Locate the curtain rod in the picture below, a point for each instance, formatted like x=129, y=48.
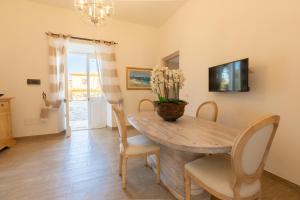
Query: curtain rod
x=81, y=38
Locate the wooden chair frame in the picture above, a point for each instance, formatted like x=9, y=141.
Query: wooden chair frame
x=236, y=156
x=145, y=100
x=215, y=107
x=122, y=130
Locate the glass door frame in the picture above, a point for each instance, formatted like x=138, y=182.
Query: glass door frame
x=88, y=58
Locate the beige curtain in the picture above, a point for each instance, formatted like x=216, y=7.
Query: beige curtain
x=57, y=63
x=108, y=74
x=57, y=50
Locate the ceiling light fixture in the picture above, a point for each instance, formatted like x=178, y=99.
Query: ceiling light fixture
x=98, y=11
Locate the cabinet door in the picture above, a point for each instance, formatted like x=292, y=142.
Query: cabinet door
x=4, y=107
x=5, y=128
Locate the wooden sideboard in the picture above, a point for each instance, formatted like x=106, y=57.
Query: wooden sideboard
x=6, y=139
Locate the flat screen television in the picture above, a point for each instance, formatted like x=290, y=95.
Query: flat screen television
x=229, y=77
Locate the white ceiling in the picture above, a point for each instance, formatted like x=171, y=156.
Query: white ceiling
x=147, y=12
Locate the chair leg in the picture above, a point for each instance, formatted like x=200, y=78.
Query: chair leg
x=146, y=161
x=157, y=167
x=259, y=198
x=124, y=171
x=187, y=185
x=120, y=164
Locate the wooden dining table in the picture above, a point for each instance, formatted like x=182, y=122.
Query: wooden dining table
x=182, y=141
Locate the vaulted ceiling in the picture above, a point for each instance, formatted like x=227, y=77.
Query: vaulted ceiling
x=147, y=12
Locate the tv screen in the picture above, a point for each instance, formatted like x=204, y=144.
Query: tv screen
x=229, y=77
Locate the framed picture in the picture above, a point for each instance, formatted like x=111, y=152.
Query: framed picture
x=138, y=78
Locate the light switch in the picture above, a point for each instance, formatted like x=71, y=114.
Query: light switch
x=33, y=82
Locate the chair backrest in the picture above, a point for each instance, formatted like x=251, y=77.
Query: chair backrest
x=121, y=123
x=208, y=110
x=250, y=151
x=146, y=105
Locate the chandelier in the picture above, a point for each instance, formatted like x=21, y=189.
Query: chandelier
x=97, y=11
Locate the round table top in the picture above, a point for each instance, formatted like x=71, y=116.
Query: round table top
x=186, y=134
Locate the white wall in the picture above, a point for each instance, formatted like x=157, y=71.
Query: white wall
x=213, y=32
x=23, y=54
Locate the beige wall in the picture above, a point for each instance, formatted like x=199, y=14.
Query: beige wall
x=213, y=32
x=23, y=54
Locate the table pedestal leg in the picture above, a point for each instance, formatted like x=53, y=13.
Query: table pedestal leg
x=172, y=167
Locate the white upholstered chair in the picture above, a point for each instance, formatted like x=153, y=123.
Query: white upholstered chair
x=237, y=177
x=136, y=146
x=146, y=105
x=208, y=110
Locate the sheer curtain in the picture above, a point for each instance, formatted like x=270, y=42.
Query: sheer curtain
x=108, y=74
x=57, y=63
x=57, y=50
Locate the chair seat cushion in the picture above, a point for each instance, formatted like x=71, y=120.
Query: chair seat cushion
x=140, y=145
x=215, y=172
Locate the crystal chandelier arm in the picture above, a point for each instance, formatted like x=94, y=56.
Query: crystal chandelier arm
x=96, y=10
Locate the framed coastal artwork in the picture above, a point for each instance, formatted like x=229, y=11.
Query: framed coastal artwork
x=138, y=78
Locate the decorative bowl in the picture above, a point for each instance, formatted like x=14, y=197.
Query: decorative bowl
x=170, y=111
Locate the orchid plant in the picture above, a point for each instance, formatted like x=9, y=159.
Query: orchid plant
x=166, y=83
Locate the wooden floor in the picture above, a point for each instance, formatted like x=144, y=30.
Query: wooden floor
x=84, y=167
